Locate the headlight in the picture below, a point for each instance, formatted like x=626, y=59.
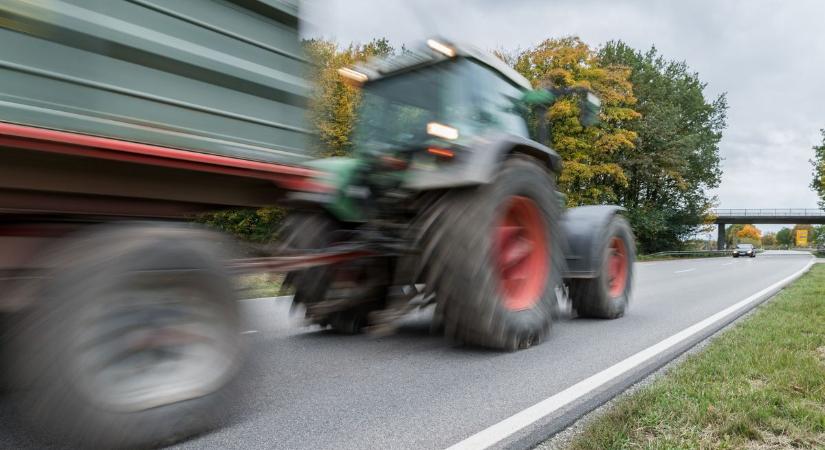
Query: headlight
x=442, y=131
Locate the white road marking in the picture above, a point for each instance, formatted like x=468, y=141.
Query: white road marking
x=517, y=422
x=686, y=270
x=277, y=299
x=249, y=332
x=727, y=264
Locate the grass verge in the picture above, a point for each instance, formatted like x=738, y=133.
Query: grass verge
x=261, y=285
x=760, y=385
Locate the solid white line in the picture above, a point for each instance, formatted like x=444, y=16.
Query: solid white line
x=249, y=332
x=686, y=270
x=517, y=422
x=280, y=298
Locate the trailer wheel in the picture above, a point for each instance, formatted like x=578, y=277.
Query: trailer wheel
x=133, y=339
x=497, y=260
x=606, y=296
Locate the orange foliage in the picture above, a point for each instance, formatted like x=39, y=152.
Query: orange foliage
x=749, y=232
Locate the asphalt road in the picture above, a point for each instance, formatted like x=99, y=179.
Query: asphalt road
x=311, y=389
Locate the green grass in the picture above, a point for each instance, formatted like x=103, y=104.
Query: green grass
x=760, y=385
x=260, y=285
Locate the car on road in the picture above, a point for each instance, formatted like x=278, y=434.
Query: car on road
x=744, y=250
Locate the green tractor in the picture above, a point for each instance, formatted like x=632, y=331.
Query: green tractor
x=453, y=204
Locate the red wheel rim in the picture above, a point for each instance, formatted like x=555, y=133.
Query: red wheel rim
x=522, y=254
x=617, y=267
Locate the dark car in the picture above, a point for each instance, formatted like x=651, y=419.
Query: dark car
x=744, y=250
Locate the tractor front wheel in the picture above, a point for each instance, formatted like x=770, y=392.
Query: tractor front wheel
x=606, y=296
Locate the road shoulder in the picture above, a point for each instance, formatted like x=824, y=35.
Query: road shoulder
x=760, y=384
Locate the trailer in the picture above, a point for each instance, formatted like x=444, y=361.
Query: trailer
x=119, y=122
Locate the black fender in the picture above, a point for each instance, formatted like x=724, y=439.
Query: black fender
x=478, y=162
x=584, y=227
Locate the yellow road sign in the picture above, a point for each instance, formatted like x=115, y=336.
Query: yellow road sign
x=801, y=238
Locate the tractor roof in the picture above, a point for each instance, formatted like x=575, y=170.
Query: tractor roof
x=426, y=55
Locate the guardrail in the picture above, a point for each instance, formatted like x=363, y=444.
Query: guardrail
x=691, y=253
x=696, y=253
x=763, y=212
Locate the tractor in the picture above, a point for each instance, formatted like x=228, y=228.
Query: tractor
x=450, y=197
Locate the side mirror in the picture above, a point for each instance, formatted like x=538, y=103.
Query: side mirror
x=590, y=107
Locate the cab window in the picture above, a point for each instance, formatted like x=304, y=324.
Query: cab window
x=495, y=101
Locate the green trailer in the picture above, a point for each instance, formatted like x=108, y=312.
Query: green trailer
x=119, y=120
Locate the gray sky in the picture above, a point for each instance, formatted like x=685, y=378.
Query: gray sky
x=769, y=56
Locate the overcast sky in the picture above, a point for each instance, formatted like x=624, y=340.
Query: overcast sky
x=768, y=56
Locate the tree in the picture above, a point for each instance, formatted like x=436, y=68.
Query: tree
x=334, y=103
x=675, y=162
x=749, y=232
x=784, y=237
x=818, y=182
x=819, y=236
x=592, y=173
x=769, y=240
x=732, y=232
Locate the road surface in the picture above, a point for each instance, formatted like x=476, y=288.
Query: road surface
x=309, y=389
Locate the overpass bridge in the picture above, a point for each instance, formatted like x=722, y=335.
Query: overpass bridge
x=789, y=216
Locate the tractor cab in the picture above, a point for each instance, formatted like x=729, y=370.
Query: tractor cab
x=436, y=100
x=440, y=117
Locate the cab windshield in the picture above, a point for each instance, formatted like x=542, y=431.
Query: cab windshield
x=745, y=246
x=462, y=94
x=394, y=111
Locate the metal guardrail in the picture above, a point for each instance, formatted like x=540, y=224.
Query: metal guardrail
x=691, y=253
x=697, y=253
x=768, y=212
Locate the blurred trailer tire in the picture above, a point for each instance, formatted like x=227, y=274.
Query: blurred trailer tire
x=132, y=338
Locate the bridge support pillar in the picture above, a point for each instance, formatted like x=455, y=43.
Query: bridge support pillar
x=720, y=238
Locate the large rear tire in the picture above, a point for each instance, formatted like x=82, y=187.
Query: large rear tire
x=494, y=257
x=607, y=295
x=133, y=339
x=360, y=287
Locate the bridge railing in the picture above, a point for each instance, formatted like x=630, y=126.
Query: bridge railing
x=768, y=212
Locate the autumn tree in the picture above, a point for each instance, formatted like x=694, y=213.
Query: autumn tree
x=675, y=163
x=334, y=103
x=592, y=173
x=818, y=182
x=749, y=232
x=769, y=240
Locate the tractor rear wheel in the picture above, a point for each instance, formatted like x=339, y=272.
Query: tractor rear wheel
x=606, y=296
x=495, y=250
x=340, y=296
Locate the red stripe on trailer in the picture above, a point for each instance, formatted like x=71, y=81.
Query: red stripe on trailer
x=54, y=141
